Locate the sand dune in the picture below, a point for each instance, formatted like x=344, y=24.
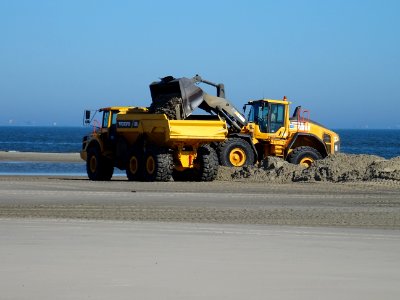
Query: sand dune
x=39, y=156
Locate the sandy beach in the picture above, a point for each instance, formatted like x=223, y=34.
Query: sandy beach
x=347, y=204
x=39, y=156
x=67, y=237
x=71, y=259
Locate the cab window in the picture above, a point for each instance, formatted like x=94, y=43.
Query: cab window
x=277, y=117
x=114, y=118
x=106, y=116
x=259, y=115
x=253, y=113
x=263, y=118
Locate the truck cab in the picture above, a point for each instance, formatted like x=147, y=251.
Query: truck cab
x=104, y=133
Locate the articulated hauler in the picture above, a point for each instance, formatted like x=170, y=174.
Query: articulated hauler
x=150, y=147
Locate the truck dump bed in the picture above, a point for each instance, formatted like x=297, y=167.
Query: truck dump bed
x=161, y=131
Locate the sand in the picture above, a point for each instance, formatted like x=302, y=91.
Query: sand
x=75, y=259
x=335, y=168
x=169, y=105
x=342, y=190
x=120, y=239
x=39, y=156
x=358, y=204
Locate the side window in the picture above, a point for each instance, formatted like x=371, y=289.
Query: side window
x=114, y=118
x=253, y=113
x=263, y=118
x=106, y=116
x=250, y=116
x=277, y=117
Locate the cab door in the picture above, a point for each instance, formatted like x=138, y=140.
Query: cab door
x=109, y=127
x=276, y=118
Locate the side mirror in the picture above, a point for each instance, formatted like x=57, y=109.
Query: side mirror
x=87, y=117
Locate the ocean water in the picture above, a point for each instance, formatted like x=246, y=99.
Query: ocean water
x=381, y=142
x=42, y=139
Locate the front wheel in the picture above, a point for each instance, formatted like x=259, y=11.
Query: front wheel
x=304, y=156
x=235, y=152
x=98, y=168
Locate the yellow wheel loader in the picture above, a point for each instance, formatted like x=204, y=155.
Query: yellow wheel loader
x=267, y=130
x=270, y=130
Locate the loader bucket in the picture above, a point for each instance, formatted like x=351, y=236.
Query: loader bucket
x=184, y=88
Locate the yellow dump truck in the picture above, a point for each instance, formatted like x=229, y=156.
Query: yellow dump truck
x=151, y=147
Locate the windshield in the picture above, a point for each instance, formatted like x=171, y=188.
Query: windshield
x=258, y=114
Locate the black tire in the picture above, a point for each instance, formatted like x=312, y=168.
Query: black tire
x=206, y=164
x=98, y=167
x=235, y=152
x=158, y=164
x=304, y=155
x=134, y=166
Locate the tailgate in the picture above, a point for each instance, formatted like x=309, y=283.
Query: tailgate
x=199, y=130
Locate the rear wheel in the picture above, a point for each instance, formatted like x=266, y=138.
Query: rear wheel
x=304, y=156
x=134, y=168
x=235, y=152
x=158, y=164
x=206, y=164
x=98, y=167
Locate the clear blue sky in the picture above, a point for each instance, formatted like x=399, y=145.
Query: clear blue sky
x=340, y=59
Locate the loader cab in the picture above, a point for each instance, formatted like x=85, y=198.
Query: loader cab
x=269, y=115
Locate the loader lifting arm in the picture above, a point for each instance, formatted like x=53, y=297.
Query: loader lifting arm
x=219, y=86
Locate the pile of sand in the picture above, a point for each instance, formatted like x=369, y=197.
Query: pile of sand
x=167, y=104
x=335, y=168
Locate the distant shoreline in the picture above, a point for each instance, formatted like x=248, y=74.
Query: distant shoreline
x=39, y=156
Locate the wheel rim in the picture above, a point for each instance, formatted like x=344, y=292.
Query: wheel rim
x=150, y=165
x=93, y=164
x=306, y=162
x=133, y=165
x=237, y=157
